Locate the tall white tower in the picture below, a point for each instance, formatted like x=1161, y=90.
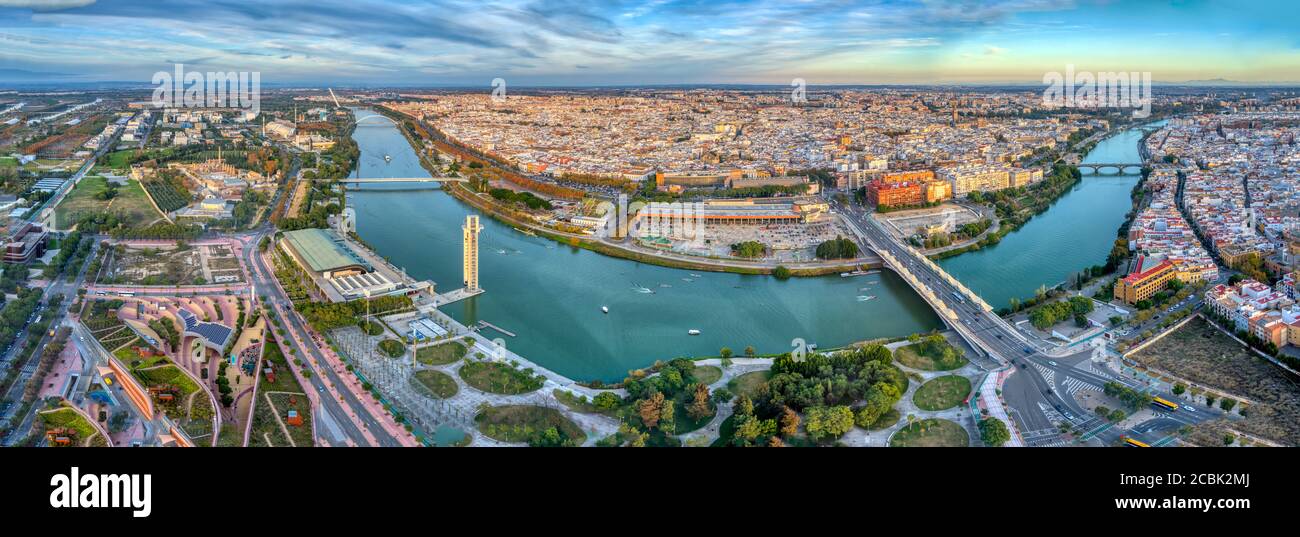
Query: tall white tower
x=471, y=230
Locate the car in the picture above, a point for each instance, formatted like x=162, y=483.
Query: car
x=1029, y=350
x=1052, y=362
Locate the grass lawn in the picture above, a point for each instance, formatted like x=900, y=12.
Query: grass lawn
x=117, y=159
x=301, y=434
x=518, y=423
x=748, y=383
x=931, y=433
x=436, y=383
x=930, y=356
x=942, y=393
x=66, y=417
x=266, y=430
x=198, y=422
x=886, y=420
x=392, y=348
x=130, y=202
x=495, y=377
x=440, y=354
x=581, y=404
x=707, y=374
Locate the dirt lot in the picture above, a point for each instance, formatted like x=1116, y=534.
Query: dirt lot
x=1202, y=354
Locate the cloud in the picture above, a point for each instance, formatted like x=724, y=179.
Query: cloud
x=990, y=50
x=45, y=5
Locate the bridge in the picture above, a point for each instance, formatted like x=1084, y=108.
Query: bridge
x=361, y=181
x=1097, y=167
x=1040, y=391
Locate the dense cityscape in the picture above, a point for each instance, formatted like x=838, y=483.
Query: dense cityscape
x=723, y=263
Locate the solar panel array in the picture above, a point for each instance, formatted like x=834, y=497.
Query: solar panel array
x=217, y=334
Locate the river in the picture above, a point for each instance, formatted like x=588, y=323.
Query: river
x=550, y=295
x=1076, y=232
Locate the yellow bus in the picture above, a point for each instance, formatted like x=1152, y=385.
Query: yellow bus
x=1132, y=442
x=1164, y=404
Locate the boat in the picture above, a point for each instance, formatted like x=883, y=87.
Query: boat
x=858, y=273
x=694, y=275
x=388, y=158
x=693, y=332
x=864, y=298
x=604, y=309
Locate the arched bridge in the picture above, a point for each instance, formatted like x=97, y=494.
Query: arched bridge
x=1097, y=167
x=362, y=181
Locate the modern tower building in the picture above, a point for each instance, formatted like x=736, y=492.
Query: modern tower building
x=471, y=230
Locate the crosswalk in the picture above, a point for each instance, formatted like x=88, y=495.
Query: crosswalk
x=1044, y=438
x=1048, y=374
x=1073, y=385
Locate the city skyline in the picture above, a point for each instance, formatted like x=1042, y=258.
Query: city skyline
x=555, y=43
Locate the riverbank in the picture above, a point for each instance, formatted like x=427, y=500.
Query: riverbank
x=501, y=214
x=603, y=247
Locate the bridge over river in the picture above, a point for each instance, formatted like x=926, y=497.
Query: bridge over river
x=1000, y=345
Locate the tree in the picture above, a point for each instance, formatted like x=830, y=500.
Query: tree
x=666, y=422
x=651, y=409
x=726, y=352
x=743, y=406
x=606, y=401
x=826, y=423
x=699, y=407
x=749, y=350
x=789, y=422
x=993, y=432
x=781, y=273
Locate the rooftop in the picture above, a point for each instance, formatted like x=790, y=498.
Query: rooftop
x=323, y=251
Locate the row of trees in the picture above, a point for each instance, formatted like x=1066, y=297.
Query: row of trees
x=1046, y=315
x=749, y=249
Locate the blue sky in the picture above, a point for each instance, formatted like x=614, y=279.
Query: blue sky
x=561, y=42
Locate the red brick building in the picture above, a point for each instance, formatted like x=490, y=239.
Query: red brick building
x=895, y=194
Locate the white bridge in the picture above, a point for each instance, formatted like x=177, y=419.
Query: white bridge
x=375, y=180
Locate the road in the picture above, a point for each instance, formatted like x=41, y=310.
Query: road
x=59, y=285
x=1043, y=385
x=262, y=285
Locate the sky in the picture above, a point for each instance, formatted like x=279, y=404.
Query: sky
x=574, y=42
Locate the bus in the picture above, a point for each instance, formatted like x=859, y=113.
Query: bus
x=1163, y=404
x=959, y=298
x=1132, y=442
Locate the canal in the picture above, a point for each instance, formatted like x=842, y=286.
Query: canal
x=551, y=295
x=1076, y=232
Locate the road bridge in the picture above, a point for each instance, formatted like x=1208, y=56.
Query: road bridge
x=1098, y=167
x=375, y=180
x=991, y=336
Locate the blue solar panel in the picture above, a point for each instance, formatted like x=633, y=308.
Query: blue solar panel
x=216, y=333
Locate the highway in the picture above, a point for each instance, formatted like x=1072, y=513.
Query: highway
x=1041, y=388
x=262, y=284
